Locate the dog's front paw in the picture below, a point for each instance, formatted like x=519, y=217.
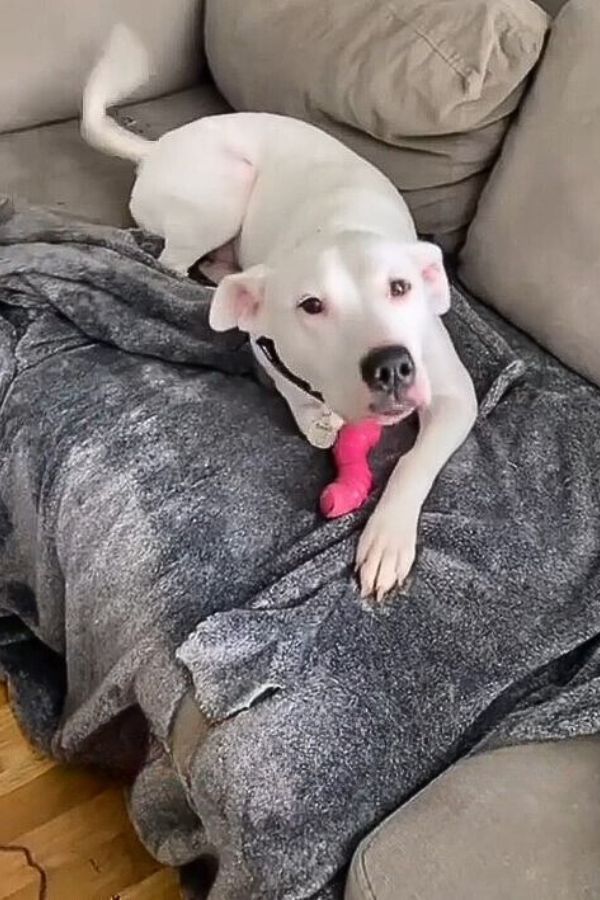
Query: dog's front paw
x=386, y=549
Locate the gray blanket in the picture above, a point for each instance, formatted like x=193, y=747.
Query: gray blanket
x=159, y=532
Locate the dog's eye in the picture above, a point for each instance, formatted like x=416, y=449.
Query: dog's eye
x=311, y=305
x=399, y=287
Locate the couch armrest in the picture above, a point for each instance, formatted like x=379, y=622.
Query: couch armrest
x=521, y=822
x=47, y=50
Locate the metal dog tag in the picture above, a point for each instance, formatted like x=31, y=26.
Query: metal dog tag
x=323, y=431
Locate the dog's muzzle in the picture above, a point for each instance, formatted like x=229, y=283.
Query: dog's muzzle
x=396, y=388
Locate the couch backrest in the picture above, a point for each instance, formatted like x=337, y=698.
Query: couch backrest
x=47, y=49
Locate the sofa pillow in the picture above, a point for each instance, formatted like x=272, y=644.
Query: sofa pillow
x=431, y=83
x=533, y=250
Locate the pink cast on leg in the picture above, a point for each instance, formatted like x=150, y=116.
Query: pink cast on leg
x=354, y=479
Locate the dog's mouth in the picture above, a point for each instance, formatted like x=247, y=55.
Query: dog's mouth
x=391, y=415
x=390, y=409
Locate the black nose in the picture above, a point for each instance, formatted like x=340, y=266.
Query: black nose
x=388, y=370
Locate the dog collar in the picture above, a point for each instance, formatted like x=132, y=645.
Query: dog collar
x=267, y=347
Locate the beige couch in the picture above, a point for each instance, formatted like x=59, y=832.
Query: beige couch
x=514, y=824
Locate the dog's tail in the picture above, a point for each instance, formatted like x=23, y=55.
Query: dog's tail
x=121, y=69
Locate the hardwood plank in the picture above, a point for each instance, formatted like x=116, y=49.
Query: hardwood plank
x=87, y=853
x=19, y=761
x=44, y=798
x=3, y=693
x=73, y=825
x=162, y=885
x=19, y=877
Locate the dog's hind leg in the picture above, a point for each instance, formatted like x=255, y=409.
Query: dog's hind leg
x=182, y=250
x=193, y=233
x=196, y=206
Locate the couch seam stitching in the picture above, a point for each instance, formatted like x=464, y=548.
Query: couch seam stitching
x=455, y=64
x=367, y=881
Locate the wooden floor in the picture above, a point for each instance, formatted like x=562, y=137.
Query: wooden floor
x=64, y=833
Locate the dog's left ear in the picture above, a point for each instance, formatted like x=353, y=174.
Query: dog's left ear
x=237, y=300
x=430, y=261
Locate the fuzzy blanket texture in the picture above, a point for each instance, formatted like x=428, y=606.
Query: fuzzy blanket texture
x=159, y=535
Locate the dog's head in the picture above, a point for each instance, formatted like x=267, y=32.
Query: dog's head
x=350, y=319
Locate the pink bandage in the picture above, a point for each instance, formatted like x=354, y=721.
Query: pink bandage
x=354, y=479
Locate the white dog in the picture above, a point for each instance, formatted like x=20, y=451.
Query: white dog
x=342, y=303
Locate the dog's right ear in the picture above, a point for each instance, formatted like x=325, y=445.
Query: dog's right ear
x=238, y=299
x=430, y=261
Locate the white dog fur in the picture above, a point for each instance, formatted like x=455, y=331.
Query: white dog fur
x=328, y=267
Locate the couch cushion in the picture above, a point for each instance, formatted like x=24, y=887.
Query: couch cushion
x=47, y=50
x=53, y=166
x=520, y=823
x=533, y=251
x=423, y=89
